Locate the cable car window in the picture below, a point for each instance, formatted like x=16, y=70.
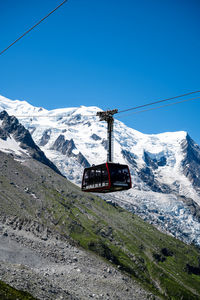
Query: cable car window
x=86, y=178
x=119, y=175
x=92, y=177
x=104, y=176
x=98, y=177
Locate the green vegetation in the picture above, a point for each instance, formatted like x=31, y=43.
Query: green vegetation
x=156, y=260
x=164, y=265
x=9, y=293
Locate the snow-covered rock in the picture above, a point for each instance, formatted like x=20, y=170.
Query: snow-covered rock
x=17, y=140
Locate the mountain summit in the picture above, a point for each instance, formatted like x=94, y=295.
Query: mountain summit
x=165, y=167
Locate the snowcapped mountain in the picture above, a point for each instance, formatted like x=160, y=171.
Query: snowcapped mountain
x=165, y=168
x=17, y=141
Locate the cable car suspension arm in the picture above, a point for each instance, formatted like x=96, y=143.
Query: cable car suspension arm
x=108, y=117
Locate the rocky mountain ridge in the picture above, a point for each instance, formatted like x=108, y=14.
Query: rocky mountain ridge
x=191, y=162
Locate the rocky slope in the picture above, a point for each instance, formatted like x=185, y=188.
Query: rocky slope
x=48, y=219
x=164, y=167
x=58, y=270
x=37, y=254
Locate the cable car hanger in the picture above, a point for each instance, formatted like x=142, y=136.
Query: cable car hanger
x=108, y=117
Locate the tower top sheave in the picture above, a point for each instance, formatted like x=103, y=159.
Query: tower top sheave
x=106, y=115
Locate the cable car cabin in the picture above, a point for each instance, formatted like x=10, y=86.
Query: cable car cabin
x=106, y=178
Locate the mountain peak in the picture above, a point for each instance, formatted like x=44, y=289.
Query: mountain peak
x=15, y=138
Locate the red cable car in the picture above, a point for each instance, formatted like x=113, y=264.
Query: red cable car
x=108, y=177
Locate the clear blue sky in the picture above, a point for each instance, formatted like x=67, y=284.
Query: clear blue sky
x=108, y=53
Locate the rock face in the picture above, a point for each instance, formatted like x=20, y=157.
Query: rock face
x=130, y=157
x=154, y=163
x=82, y=160
x=10, y=127
x=191, y=161
x=95, y=137
x=192, y=205
x=45, y=137
x=66, y=147
x=146, y=174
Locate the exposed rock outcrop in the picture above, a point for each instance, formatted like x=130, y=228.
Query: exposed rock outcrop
x=191, y=162
x=45, y=137
x=66, y=147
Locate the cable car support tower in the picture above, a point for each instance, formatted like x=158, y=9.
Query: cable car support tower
x=108, y=117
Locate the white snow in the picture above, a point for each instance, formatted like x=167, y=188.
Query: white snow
x=11, y=146
x=18, y=107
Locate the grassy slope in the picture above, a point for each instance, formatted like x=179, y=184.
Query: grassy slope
x=119, y=236
x=9, y=293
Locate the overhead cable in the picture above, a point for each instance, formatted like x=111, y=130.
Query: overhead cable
x=156, y=102
x=161, y=106
x=19, y=38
